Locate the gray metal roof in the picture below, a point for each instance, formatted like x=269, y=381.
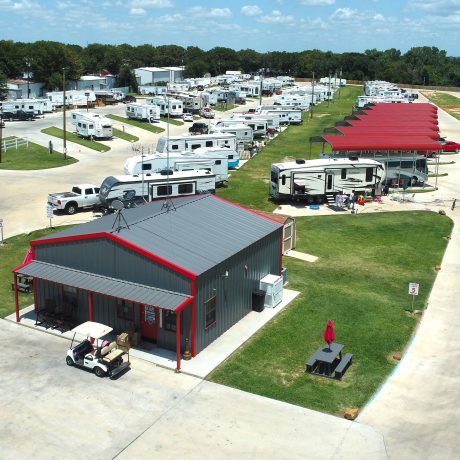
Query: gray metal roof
x=198, y=233
x=104, y=285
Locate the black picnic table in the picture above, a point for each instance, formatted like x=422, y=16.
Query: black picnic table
x=324, y=361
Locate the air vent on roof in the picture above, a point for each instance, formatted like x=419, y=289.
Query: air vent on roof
x=166, y=172
x=299, y=161
x=353, y=158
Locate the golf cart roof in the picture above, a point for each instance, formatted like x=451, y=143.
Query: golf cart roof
x=92, y=329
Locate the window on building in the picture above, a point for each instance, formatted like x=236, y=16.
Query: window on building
x=69, y=295
x=169, y=320
x=210, y=312
x=125, y=309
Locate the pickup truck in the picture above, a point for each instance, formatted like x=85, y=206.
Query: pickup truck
x=81, y=196
x=18, y=115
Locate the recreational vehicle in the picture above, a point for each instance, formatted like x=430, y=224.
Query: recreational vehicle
x=287, y=116
x=259, y=127
x=73, y=98
x=144, y=112
x=36, y=106
x=243, y=132
x=314, y=180
x=168, y=106
x=191, y=102
x=185, y=161
x=189, y=143
x=92, y=125
x=135, y=190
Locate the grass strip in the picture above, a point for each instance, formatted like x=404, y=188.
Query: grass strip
x=71, y=137
x=138, y=124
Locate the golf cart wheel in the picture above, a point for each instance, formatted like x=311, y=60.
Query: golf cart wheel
x=69, y=361
x=99, y=372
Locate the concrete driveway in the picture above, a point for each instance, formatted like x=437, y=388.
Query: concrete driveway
x=52, y=411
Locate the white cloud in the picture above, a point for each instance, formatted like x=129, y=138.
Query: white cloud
x=251, y=10
x=378, y=17
x=137, y=12
x=150, y=4
x=200, y=11
x=318, y=2
x=276, y=17
x=440, y=7
x=171, y=18
x=344, y=15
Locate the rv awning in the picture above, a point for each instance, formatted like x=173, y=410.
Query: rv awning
x=121, y=289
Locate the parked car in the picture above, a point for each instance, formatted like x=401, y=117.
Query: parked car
x=187, y=117
x=128, y=99
x=207, y=112
x=20, y=115
x=450, y=146
x=198, y=128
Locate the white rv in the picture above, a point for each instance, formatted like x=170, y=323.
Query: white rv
x=185, y=161
x=143, y=112
x=190, y=143
x=73, y=98
x=286, y=116
x=134, y=190
x=167, y=105
x=37, y=106
x=259, y=127
x=313, y=180
x=243, y=132
x=92, y=125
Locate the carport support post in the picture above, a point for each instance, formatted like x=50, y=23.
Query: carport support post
x=90, y=306
x=178, y=341
x=16, y=299
x=193, y=320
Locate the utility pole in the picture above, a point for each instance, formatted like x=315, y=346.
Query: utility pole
x=1, y=131
x=312, y=93
x=28, y=78
x=261, y=82
x=340, y=80
x=329, y=89
x=64, y=127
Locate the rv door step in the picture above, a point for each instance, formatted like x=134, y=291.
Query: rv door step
x=330, y=198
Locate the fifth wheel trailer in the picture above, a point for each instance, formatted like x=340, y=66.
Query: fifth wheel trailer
x=313, y=180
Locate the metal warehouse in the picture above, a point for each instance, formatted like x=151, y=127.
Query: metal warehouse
x=186, y=271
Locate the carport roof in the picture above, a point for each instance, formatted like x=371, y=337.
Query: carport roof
x=92, y=282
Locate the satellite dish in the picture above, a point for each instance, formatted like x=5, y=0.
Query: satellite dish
x=118, y=205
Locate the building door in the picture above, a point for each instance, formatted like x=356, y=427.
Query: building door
x=287, y=237
x=149, y=322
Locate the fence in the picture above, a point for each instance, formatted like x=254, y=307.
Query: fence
x=15, y=143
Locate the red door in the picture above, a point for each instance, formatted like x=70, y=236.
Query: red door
x=149, y=322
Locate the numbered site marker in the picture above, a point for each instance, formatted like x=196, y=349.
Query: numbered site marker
x=413, y=291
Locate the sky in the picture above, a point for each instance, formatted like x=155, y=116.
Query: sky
x=262, y=25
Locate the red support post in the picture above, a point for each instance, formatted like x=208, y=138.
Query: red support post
x=178, y=341
x=16, y=298
x=90, y=305
x=193, y=320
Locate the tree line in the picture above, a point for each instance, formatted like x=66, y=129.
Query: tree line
x=46, y=59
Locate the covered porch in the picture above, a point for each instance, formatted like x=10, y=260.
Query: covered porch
x=65, y=297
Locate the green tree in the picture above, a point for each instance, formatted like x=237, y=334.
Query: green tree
x=3, y=87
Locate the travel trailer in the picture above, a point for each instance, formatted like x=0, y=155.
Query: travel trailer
x=287, y=116
x=74, y=98
x=190, y=143
x=36, y=106
x=136, y=190
x=243, y=132
x=259, y=127
x=314, y=180
x=185, y=161
x=92, y=125
x=168, y=106
x=143, y=112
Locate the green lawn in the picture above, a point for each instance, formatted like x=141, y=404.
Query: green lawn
x=137, y=124
x=172, y=121
x=125, y=136
x=71, y=137
x=360, y=282
x=11, y=255
x=219, y=107
x=249, y=186
x=449, y=103
x=32, y=157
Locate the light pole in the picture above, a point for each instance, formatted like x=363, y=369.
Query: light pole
x=64, y=127
x=87, y=96
x=312, y=93
x=28, y=78
x=329, y=89
x=340, y=80
x=1, y=131
x=261, y=82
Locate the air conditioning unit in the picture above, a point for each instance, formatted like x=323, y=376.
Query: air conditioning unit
x=272, y=285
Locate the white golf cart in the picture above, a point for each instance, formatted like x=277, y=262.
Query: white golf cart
x=102, y=357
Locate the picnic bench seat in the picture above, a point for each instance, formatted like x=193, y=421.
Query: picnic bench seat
x=113, y=355
x=311, y=364
x=343, y=365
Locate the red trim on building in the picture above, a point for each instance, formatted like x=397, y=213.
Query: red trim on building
x=90, y=305
x=193, y=319
x=16, y=298
x=165, y=263
x=178, y=341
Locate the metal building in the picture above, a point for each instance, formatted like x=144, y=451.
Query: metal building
x=184, y=271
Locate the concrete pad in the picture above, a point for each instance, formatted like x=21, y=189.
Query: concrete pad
x=206, y=361
x=224, y=423
x=300, y=256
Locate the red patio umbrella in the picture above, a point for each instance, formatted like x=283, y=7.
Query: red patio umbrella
x=329, y=333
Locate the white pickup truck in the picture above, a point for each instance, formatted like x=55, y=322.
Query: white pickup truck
x=81, y=196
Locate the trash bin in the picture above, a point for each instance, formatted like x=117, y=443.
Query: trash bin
x=258, y=300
